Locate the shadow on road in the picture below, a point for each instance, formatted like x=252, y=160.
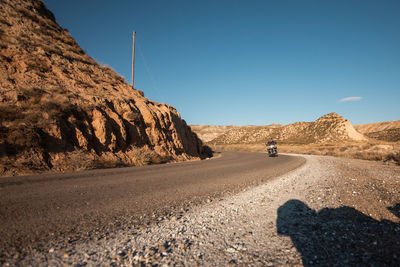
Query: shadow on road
x=341, y=236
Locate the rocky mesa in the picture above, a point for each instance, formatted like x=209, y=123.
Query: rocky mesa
x=60, y=110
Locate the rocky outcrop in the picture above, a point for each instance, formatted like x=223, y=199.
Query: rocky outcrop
x=329, y=128
x=61, y=110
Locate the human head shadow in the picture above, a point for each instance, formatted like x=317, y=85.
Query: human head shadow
x=341, y=236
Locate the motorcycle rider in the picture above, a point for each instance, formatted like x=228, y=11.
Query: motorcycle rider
x=271, y=148
x=270, y=142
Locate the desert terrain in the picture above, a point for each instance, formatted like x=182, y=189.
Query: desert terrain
x=94, y=173
x=331, y=135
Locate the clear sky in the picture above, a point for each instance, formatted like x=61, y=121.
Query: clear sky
x=249, y=62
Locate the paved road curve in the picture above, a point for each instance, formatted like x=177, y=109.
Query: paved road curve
x=42, y=211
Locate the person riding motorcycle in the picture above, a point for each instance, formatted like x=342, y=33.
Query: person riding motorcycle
x=270, y=142
x=271, y=147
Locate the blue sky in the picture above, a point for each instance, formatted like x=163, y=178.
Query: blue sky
x=243, y=62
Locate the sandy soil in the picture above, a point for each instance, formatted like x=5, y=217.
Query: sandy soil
x=330, y=212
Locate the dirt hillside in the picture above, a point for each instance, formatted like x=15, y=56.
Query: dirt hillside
x=385, y=131
x=60, y=110
x=328, y=128
x=378, y=126
x=209, y=132
x=389, y=135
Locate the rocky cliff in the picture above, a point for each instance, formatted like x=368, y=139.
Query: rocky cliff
x=329, y=128
x=61, y=110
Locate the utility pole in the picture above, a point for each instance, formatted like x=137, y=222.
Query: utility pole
x=133, y=60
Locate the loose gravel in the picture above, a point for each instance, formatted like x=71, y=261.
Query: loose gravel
x=296, y=219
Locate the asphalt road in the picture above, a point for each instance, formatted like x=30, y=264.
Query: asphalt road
x=42, y=211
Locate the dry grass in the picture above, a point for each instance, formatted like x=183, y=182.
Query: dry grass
x=84, y=160
x=23, y=122
x=377, y=151
x=390, y=135
x=80, y=160
x=144, y=156
x=239, y=147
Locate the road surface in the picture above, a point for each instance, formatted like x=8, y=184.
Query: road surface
x=41, y=211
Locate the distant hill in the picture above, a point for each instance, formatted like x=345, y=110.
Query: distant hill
x=385, y=131
x=330, y=135
x=329, y=128
x=61, y=110
x=209, y=132
x=390, y=135
x=377, y=127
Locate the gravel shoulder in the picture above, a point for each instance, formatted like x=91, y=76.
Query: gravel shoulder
x=329, y=211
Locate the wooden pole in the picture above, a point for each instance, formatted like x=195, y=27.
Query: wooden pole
x=133, y=60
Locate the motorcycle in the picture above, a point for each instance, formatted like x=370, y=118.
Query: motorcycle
x=272, y=151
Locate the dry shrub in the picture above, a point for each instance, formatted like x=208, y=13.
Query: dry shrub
x=393, y=157
x=366, y=146
x=21, y=138
x=103, y=163
x=315, y=152
x=367, y=155
x=330, y=153
x=145, y=156
x=31, y=161
x=55, y=105
x=79, y=160
x=151, y=157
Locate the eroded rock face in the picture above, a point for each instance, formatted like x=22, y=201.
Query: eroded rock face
x=61, y=110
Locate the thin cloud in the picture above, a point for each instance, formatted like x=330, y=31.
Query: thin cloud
x=351, y=98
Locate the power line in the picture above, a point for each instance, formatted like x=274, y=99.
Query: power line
x=147, y=68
